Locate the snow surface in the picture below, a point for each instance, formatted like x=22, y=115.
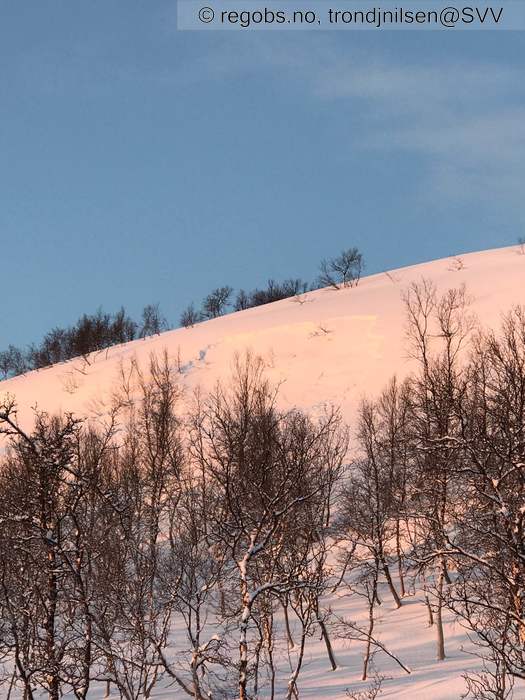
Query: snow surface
x=334, y=346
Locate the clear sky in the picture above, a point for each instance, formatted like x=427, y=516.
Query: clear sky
x=142, y=164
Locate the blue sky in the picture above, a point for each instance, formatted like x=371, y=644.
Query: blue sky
x=141, y=164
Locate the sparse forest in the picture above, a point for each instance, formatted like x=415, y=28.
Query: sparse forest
x=198, y=543
x=112, y=534
x=90, y=333
x=98, y=331
x=339, y=272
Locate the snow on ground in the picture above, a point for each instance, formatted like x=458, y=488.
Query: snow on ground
x=330, y=346
x=404, y=632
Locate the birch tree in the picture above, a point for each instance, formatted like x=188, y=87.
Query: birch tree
x=267, y=468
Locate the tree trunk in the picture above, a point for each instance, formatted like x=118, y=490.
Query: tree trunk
x=371, y=603
x=268, y=634
x=243, y=642
x=440, y=651
x=11, y=684
x=256, y=667
x=400, y=560
x=429, y=611
x=292, y=683
x=289, y=637
x=28, y=692
x=446, y=575
x=53, y=682
x=328, y=644
x=390, y=583
x=325, y=635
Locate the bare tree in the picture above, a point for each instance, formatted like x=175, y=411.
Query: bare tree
x=487, y=542
x=242, y=301
x=153, y=322
x=133, y=628
x=38, y=497
x=216, y=303
x=189, y=579
x=373, y=494
x=268, y=469
x=189, y=317
x=6, y=365
x=493, y=682
x=439, y=329
x=371, y=692
x=13, y=362
x=342, y=271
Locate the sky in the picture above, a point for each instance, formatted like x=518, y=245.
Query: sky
x=142, y=164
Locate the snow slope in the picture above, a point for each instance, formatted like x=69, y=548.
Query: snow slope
x=335, y=346
x=331, y=346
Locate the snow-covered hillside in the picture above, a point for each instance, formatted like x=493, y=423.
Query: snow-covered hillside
x=328, y=346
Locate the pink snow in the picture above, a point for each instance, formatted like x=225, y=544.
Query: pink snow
x=331, y=346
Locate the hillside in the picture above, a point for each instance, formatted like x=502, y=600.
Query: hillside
x=332, y=346
x=329, y=346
